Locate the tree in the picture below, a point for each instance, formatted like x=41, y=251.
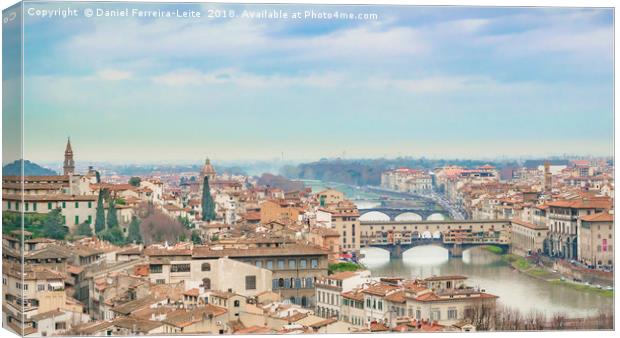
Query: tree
x=196, y=237
x=134, y=235
x=208, y=206
x=100, y=215
x=112, y=216
x=135, y=181
x=113, y=235
x=84, y=230
x=53, y=225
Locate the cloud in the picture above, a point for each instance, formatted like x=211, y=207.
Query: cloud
x=113, y=74
x=193, y=77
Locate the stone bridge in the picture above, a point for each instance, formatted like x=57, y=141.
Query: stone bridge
x=456, y=236
x=401, y=214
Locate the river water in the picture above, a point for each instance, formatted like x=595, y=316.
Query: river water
x=487, y=271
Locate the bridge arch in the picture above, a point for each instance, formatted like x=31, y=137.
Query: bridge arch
x=408, y=216
x=436, y=217
x=375, y=216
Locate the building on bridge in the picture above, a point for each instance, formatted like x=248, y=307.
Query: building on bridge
x=397, y=236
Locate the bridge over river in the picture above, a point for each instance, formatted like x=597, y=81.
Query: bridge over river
x=456, y=236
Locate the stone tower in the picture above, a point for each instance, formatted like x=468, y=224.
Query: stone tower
x=548, y=182
x=69, y=164
x=208, y=171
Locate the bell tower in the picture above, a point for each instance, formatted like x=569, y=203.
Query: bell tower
x=69, y=164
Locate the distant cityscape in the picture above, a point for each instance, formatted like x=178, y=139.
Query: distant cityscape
x=203, y=252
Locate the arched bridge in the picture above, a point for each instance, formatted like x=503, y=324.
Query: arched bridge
x=456, y=236
x=401, y=214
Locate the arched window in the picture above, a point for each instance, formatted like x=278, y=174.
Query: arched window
x=281, y=282
x=304, y=301
x=206, y=283
x=206, y=267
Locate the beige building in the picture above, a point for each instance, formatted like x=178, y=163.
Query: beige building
x=221, y=274
x=329, y=196
x=596, y=238
x=327, y=239
x=346, y=221
x=527, y=238
x=329, y=289
x=76, y=209
x=37, y=290
x=563, y=217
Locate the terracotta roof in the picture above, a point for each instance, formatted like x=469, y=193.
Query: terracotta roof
x=528, y=224
x=184, y=317
x=597, y=203
x=440, y=278
x=396, y=297
x=598, y=217
x=379, y=289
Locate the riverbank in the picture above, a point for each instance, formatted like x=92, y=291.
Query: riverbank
x=524, y=266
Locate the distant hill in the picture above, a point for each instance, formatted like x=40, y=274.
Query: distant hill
x=30, y=169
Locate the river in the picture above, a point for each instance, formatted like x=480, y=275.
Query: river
x=487, y=271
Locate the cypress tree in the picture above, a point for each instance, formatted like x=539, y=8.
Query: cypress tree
x=112, y=217
x=100, y=216
x=208, y=206
x=134, y=235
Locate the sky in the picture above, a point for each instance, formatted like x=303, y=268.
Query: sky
x=440, y=82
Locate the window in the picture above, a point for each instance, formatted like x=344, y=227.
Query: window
x=314, y=263
x=155, y=268
x=250, y=282
x=380, y=305
x=179, y=268
x=77, y=219
x=41, y=287
x=237, y=303
x=34, y=206
x=49, y=205
x=27, y=204
x=90, y=219
x=206, y=283
x=205, y=267
x=452, y=313
x=302, y=263
x=259, y=264
x=270, y=265
x=77, y=205
x=280, y=264
x=90, y=204
x=292, y=264
x=64, y=205
x=160, y=281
